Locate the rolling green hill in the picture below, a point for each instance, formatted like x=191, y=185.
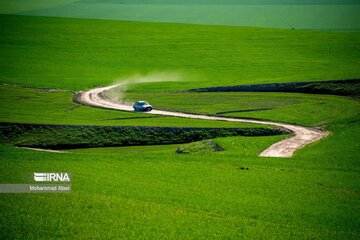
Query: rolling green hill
x=78, y=54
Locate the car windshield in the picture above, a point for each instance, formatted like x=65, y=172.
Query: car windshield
x=143, y=103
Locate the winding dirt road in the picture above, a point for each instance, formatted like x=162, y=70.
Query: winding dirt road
x=284, y=148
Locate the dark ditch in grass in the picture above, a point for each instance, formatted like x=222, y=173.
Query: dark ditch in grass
x=59, y=137
x=334, y=87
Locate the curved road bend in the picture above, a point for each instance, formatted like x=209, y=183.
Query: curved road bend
x=284, y=148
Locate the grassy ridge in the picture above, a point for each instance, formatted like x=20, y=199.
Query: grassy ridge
x=70, y=137
x=343, y=88
x=80, y=54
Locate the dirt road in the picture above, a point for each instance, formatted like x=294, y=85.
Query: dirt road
x=285, y=148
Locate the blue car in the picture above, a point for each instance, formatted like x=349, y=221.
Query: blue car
x=142, y=106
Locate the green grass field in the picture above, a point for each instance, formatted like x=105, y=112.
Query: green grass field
x=334, y=15
x=282, y=107
x=80, y=54
x=152, y=192
x=16, y=6
x=26, y=105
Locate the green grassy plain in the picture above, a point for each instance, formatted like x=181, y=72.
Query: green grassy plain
x=41, y=106
x=150, y=192
x=80, y=54
x=283, y=107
